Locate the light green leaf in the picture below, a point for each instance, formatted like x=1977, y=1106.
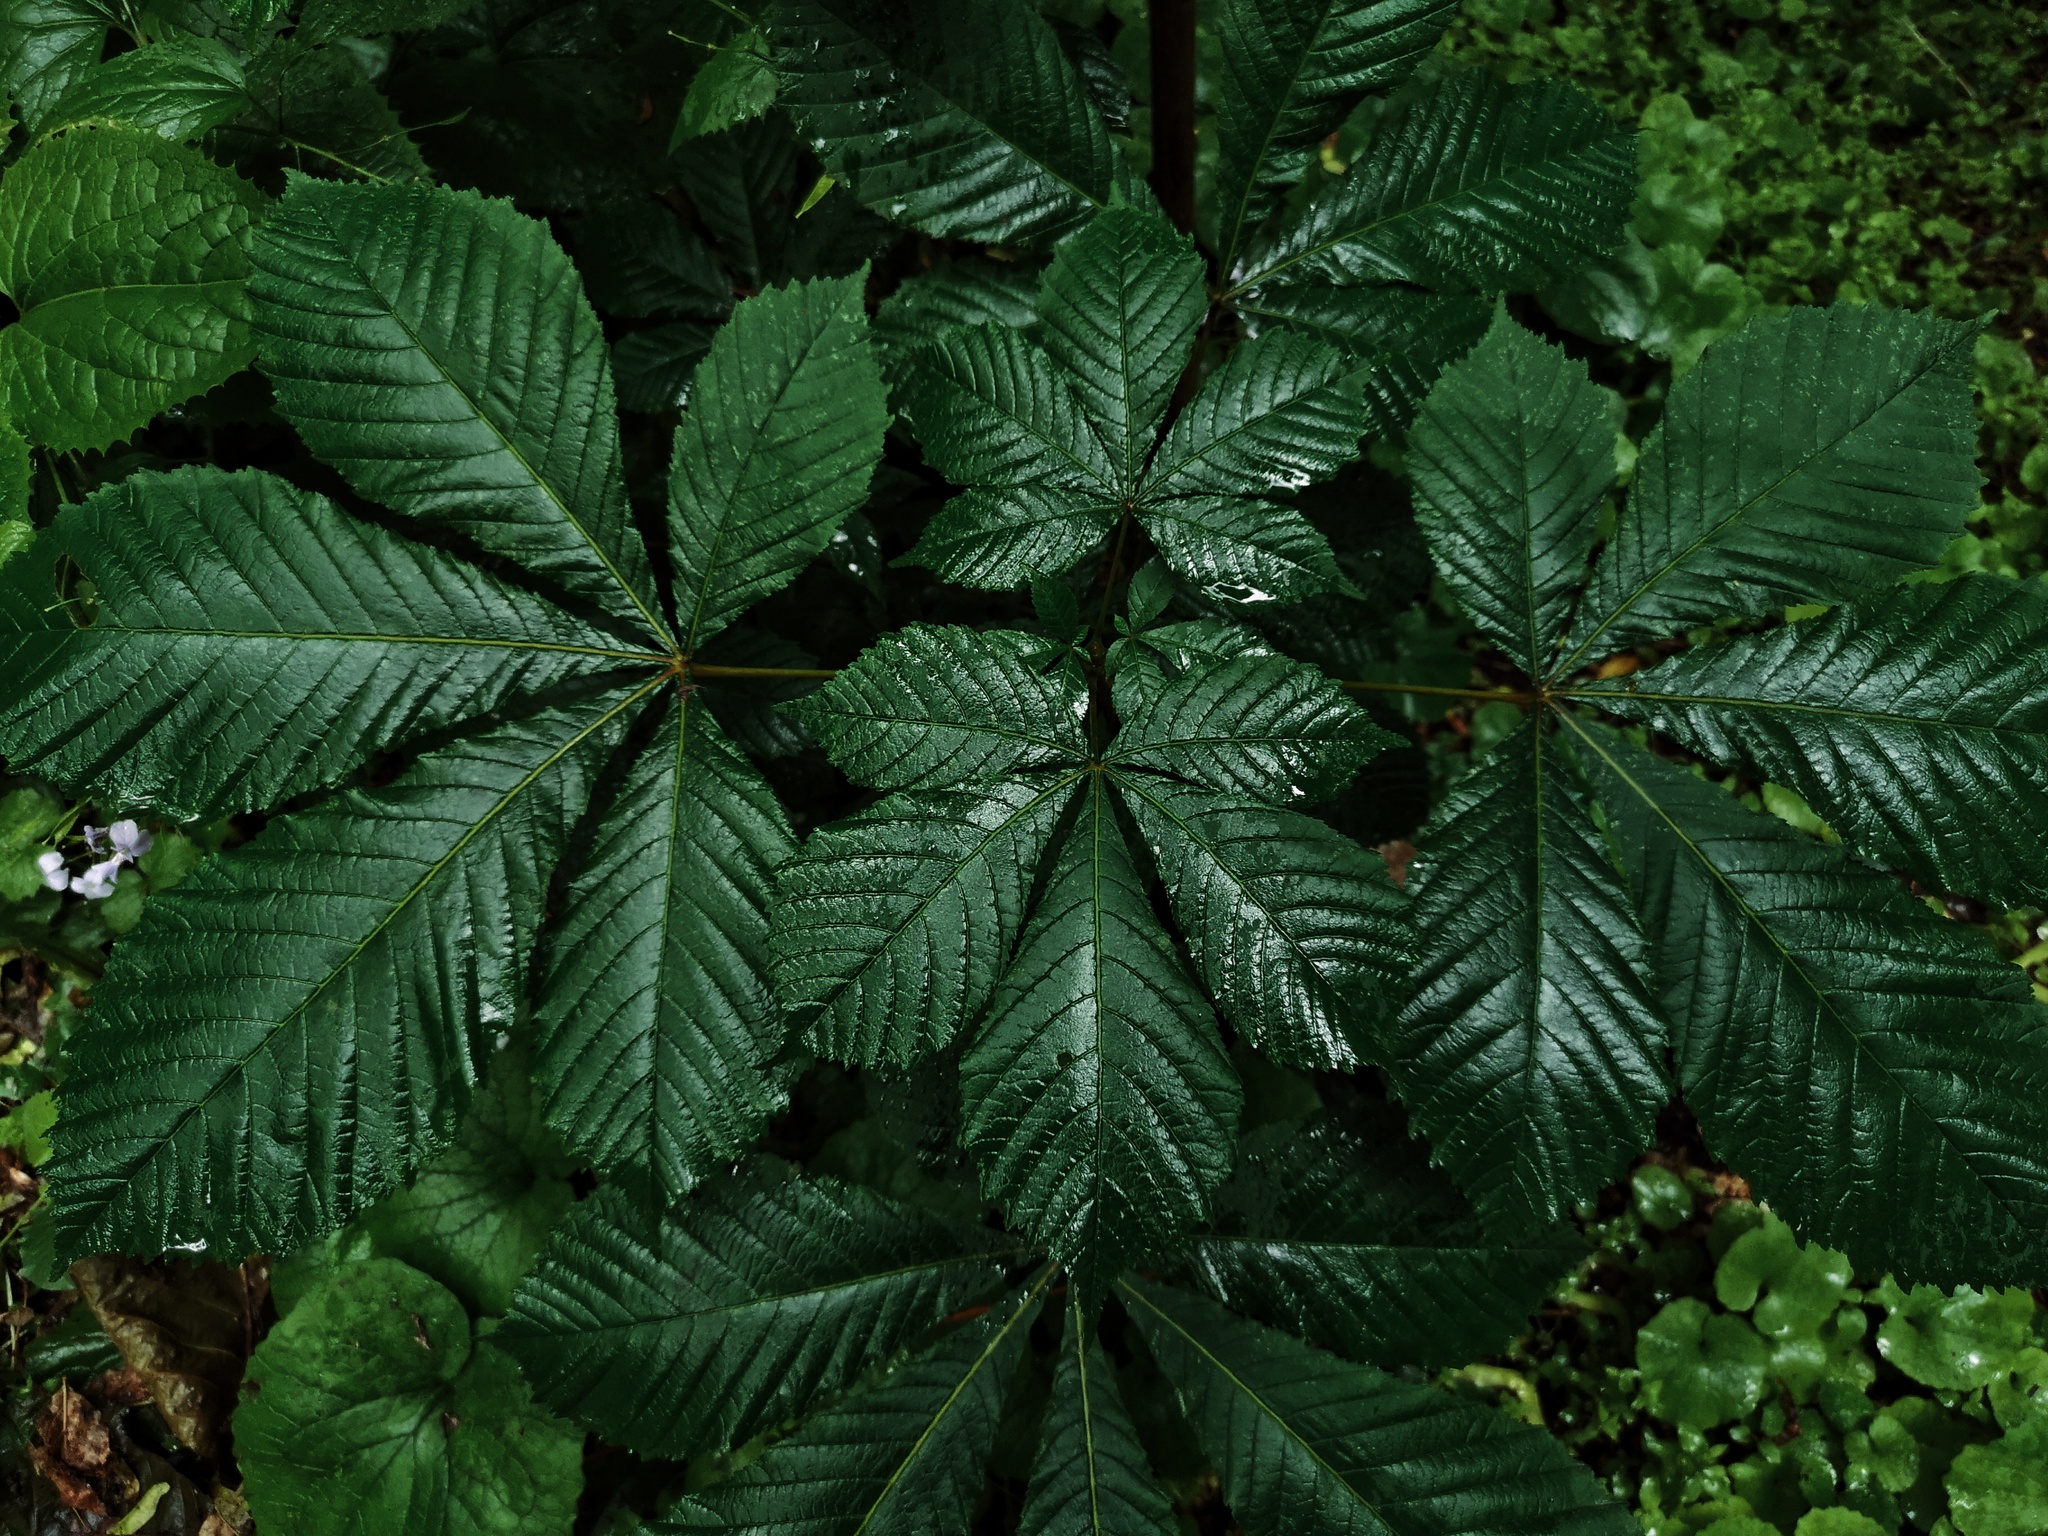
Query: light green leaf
x=1700, y=1368
x=1954, y=1342
x=782, y=434
x=1864, y=1063
x=437, y=350
x=1292, y=72
x=1343, y=1234
x=654, y=1026
x=25, y=1129
x=297, y=1026
x=892, y=926
x=476, y=1217
x=957, y=117
x=125, y=255
x=1915, y=723
x=1119, y=307
x=1531, y=1057
x=1257, y=725
x=940, y=706
x=284, y=642
x=1299, y=935
x=17, y=486
x=1097, y=1099
x=1091, y=1474
x=1809, y=457
x=1309, y=1444
x=1511, y=455
x=1478, y=186
x=750, y=1302
x=2001, y=1489
x=903, y=1454
x=735, y=84
x=45, y=45
x=178, y=87
x=373, y=1410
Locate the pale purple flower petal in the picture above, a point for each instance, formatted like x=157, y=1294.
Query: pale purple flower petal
x=130, y=841
x=52, y=866
x=96, y=839
x=97, y=883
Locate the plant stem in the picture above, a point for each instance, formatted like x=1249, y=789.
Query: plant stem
x=699, y=669
x=1173, y=109
x=1503, y=695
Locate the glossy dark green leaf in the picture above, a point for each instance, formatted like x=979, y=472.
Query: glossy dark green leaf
x=372, y=1408
x=46, y=45
x=1292, y=71
x=1091, y=1475
x=1877, y=1073
x=126, y=256
x=957, y=117
x=1119, y=307
x=1531, y=1057
x=284, y=642
x=735, y=84
x=939, y=706
x=1098, y=1101
x=640, y=262
x=1915, y=723
x=178, y=88
x=1240, y=551
x=1277, y=415
x=654, y=1026
x=1344, y=1234
x=317, y=106
x=754, y=1299
x=654, y=367
x=437, y=350
x=1810, y=456
x=905, y=1454
x=1478, y=185
x=969, y=290
x=1308, y=1443
x=1397, y=339
x=994, y=412
x=891, y=927
x=297, y=1026
x=782, y=434
x=1511, y=455
x=1301, y=938
x=1255, y=724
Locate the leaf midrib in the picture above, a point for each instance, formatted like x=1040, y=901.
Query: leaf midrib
x=1741, y=510
x=1826, y=1004
x=1272, y=1414
x=1798, y=706
x=314, y=636
x=234, y=1071
x=547, y=489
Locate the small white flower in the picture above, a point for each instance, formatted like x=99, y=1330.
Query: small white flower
x=130, y=841
x=52, y=866
x=97, y=883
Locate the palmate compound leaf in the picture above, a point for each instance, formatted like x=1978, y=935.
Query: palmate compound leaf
x=1051, y=442
x=752, y=1301
x=1091, y=1475
x=1878, y=1074
x=1914, y=722
x=1511, y=456
x=1308, y=1444
x=245, y=641
x=435, y=347
x=1097, y=1097
x=373, y=1409
x=1531, y=1055
x=904, y=1454
x=1810, y=456
x=781, y=438
x=1477, y=187
x=1292, y=72
x=957, y=117
x=1343, y=1234
x=125, y=254
x=296, y=1026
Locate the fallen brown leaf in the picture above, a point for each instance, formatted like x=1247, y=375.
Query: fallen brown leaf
x=182, y=1329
